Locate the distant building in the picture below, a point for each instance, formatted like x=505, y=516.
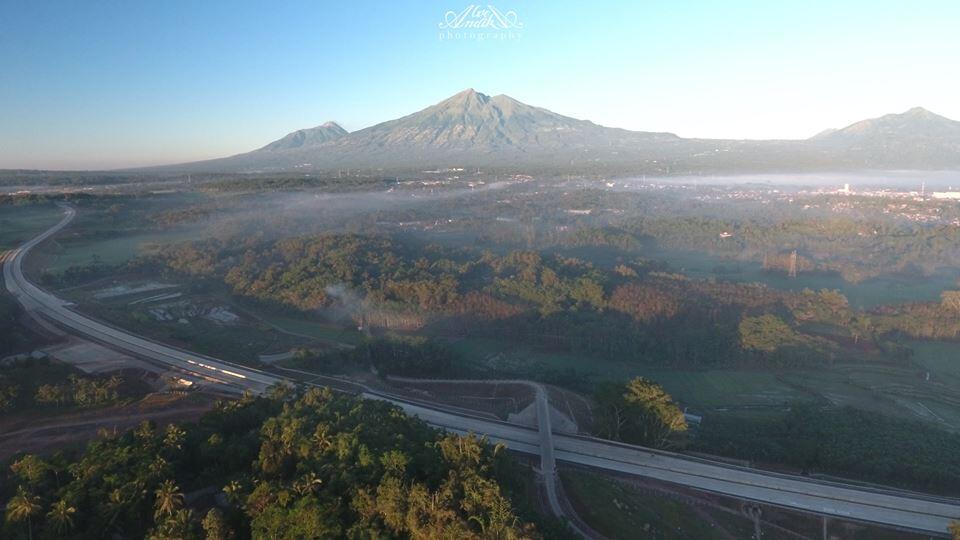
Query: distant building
x=951, y=195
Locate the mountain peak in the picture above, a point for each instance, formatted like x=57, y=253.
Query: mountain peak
x=326, y=132
x=922, y=114
x=912, y=124
x=466, y=98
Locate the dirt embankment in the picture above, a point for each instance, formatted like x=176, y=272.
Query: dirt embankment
x=34, y=432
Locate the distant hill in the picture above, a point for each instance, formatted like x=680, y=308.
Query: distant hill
x=307, y=138
x=473, y=129
x=917, y=138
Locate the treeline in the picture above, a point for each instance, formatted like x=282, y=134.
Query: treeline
x=327, y=183
x=317, y=465
x=33, y=383
x=80, y=391
x=846, y=442
x=14, y=177
x=391, y=354
x=32, y=199
x=836, y=244
x=553, y=301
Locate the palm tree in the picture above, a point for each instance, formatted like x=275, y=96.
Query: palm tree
x=169, y=499
x=22, y=507
x=177, y=526
x=307, y=484
x=233, y=491
x=61, y=516
x=174, y=436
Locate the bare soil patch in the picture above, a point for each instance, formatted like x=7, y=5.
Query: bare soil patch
x=43, y=432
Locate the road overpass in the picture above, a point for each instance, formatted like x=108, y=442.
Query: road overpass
x=885, y=507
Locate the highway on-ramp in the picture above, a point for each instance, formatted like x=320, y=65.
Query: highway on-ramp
x=886, y=507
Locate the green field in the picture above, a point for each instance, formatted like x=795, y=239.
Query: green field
x=317, y=330
x=113, y=233
x=618, y=510
x=872, y=387
x=866, y=294
x=20, y=223
x=240, y=342
x=942, y=358
x=704, y=388
x=112, y=251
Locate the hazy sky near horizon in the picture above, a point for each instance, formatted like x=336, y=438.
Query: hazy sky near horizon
x=107, y=84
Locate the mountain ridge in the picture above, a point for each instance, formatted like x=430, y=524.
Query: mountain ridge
x=470, y=128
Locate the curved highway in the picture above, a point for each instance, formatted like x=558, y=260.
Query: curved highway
x=886, y=507
x=224, y=375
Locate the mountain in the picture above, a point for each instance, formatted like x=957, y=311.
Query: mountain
x=307, y=137
x=917, y=123
x=916, y=138
x=467, y=129
x=476, y=123
x=472, y=129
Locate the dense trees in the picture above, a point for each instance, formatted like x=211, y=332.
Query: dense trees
x=553, y=301
x=826, y=243
x=390, y=354
x=766, y=333
x=399, y=355
x=641, y=413
x=315, y=465
x=340, y=467
x=82, y=391
x=548, y=300
x=32, y=383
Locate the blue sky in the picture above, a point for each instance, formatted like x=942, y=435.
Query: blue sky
x=91, y=84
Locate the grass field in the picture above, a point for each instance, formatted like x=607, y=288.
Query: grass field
x=317, y=330
x=735, y=388
x=889, y=390
x=20, y=223
x=240, y=342
x=617, y=510
x=866, y=294
x=114, y=234
x=112, y=251
x=940, y=357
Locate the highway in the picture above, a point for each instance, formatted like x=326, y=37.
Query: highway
x=225, y=376
x=543, y=444
x=887, y=507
